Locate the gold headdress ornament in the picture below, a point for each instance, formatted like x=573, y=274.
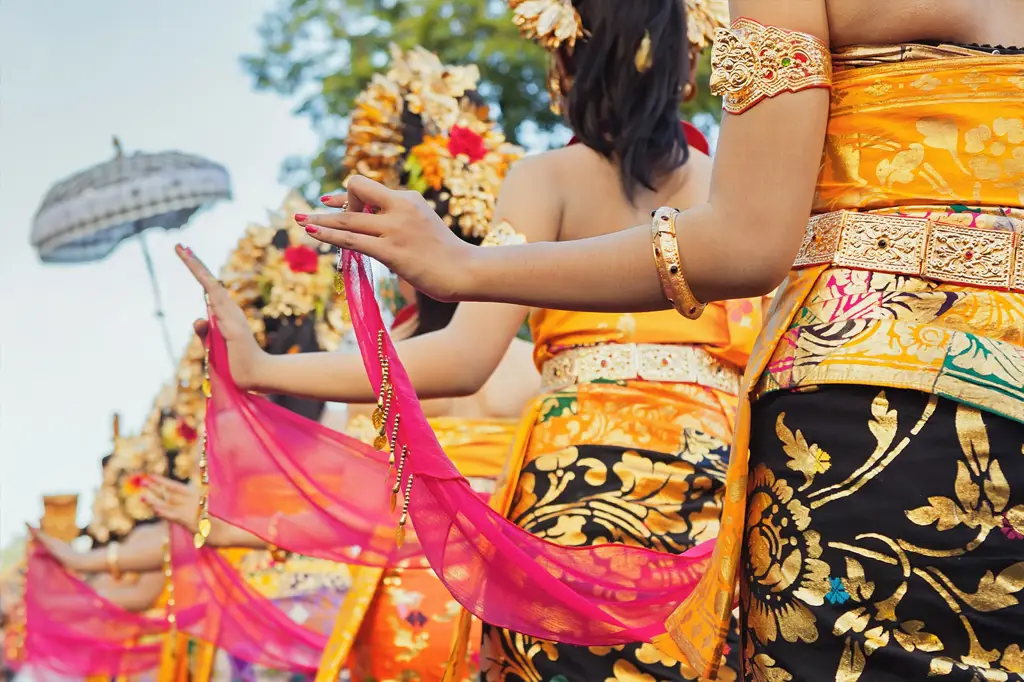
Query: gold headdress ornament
x=463, y=157
x=703, y=18
x=277, y=271
x=553, y=23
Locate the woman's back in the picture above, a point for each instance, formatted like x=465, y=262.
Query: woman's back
x=877, y=22
x=590, y=191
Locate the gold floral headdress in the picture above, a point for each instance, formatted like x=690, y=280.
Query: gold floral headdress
x=463, y=156
x=278, y=272
x=553, y=23
x=118, y=505
x=703, y=18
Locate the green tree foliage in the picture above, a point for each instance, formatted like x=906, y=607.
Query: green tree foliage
x=323, y=52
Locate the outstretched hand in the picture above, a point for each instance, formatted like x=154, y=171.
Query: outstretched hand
x=173, y=501
x=62, y=551
x=403, y=232
x=244, y=354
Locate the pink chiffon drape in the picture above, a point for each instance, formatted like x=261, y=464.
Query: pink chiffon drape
x=214, y=603
x=307, y=489
x=71, y=631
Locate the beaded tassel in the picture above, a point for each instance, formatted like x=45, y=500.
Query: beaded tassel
x=400, y=533
x=392, y=444
x=380, y=442
x=384, y=395
x=169, y=579
x=339, y=275
x=398, y=478
x=203, y=523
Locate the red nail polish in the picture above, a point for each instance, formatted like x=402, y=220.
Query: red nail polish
x=312, y=229
x=325, y=198
x=301, y=217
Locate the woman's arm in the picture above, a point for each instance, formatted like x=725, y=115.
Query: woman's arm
x=739, y=244
x=142, y=550
x=137, y=597
x=455, y=361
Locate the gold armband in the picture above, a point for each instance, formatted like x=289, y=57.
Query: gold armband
x=503, y=234
x=666, y=257
x=112, y=551
x=751, y=62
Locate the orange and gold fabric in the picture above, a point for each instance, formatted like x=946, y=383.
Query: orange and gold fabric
x=934, y=138
x=398, y=624
x=608, y=459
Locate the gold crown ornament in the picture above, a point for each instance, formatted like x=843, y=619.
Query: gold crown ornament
x=554, y=23
x=463, y=156
x=551, y=23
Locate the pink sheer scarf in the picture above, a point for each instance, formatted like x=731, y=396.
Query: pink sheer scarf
x=304, y=488
x=72, y=631
x=214, y=603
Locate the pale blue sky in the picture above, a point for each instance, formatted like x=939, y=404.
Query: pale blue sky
x=78, y=343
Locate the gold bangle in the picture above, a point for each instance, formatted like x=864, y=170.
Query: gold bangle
x=112, y=550
x=503, y=234
x=751, y=62
x=666, y=257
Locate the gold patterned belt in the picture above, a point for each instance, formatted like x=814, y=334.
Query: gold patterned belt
x=647, y=362
x=917, y=247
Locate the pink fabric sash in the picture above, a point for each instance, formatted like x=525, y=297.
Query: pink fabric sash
x=72, y=631
x=215, y=604
x=307, y=489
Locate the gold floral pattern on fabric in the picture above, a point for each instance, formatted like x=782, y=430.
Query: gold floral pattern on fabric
x=408, y=629
x=933, y=139
x=640, y=463
x=926, y=582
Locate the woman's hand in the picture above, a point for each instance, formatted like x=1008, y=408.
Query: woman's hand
x=63, y=552
x=244, y=354
x=404, y=233
x=173, y=501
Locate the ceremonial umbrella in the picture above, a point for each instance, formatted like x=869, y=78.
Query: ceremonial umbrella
x=84, y=217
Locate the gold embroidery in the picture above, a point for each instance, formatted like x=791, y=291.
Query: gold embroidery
x=970, y=256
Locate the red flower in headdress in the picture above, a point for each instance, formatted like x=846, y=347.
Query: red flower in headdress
x=133, y=484
x=301, y=258
x=465, y=141
x=188, y=433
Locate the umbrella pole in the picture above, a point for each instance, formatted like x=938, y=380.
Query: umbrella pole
x=156, y=296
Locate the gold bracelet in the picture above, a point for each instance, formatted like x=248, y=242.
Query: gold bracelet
x=666, y=257
x=112, y=550
x=503, y=234
x=751, y=62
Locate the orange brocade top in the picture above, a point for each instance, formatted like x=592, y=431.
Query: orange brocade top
x=941, y=139
x=726, y=330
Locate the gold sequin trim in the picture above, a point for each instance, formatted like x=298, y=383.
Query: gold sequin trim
x=647, y=362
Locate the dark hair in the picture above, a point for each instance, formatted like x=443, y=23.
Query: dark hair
x=433, y=315
x=622, y=114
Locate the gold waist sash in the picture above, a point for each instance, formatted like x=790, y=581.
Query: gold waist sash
x=917, y=247
x=647, y=362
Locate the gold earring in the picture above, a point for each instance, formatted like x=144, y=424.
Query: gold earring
x=688, y=92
